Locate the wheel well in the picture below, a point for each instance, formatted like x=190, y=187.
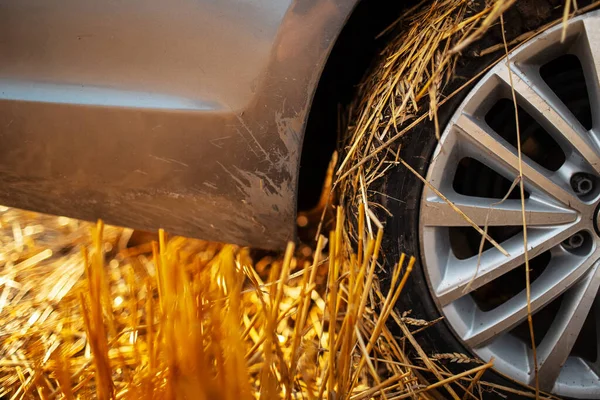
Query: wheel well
x=348, y=62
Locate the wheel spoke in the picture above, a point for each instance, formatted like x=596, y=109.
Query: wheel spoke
x=457, y=282
x=546, y=108
x=560, y=274
x=558, y=342
x=492, y=213
x=496, y=151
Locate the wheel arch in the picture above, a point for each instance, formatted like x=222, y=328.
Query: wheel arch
x=350, y=58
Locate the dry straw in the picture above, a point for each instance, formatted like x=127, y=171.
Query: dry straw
x=407, y=87
x=189, y=319
x=84, y=314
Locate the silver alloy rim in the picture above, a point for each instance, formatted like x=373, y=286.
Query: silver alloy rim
x=554, y=214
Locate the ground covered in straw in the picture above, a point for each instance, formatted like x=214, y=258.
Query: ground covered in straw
x=86, y=314
x=93, y=311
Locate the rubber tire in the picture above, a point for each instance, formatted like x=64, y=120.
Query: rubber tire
x=403, y=190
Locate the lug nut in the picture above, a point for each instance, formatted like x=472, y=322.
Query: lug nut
x=574, y=242
x=582, y=184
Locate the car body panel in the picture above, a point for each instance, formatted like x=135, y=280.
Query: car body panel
x=187, y=115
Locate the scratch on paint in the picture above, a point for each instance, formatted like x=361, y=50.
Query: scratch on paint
x=247, y=128
x=218, y=142
x=246, y=140
x=169, y=160
x=241, y=184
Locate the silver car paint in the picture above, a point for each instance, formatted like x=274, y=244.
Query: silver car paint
x=182, y=114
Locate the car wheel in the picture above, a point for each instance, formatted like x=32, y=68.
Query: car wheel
x=481, y=295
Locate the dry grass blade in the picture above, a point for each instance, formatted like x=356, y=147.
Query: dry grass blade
x=448, y=380
x=456, y=209
x=93, y=316
x=523, y=217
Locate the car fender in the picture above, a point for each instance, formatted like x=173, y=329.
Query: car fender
x=182, y=115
